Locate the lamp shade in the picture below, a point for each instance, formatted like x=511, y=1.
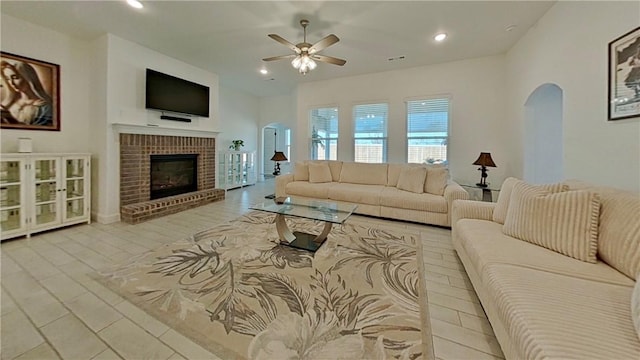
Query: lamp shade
x=278, y=156
x=485, y=160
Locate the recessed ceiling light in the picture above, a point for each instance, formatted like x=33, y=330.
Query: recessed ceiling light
x=440, y=37
x=263, y=71
x=135, y=4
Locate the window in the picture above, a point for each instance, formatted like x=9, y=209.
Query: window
x=287, y=143
x=427, y=130
x=370, y=133
x=324, y=134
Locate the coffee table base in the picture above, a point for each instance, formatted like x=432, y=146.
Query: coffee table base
x=304, y=241
x=300, y=240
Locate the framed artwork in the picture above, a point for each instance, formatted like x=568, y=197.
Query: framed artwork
x=624, y=76
x=30, y=93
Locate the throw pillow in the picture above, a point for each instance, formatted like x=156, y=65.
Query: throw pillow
x=635, y=306
x=565, y=222
x=500, y=211
x=300, y=171
x=319, y=172
x=437, y=176
x=412, y=179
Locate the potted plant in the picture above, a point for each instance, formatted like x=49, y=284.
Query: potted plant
x=236, y=144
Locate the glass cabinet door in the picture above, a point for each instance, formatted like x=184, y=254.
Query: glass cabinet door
x=250, y=169
x=237, y=169
x=74, y=190
x=45, y=192
x=11, y=196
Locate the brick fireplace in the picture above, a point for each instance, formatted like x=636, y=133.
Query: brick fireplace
x=135, y=180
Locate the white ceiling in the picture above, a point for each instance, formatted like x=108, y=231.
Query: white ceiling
x=229, y=38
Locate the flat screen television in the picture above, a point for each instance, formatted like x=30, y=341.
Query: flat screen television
x=169, y=93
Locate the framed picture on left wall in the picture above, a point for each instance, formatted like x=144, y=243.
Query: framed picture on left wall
x=29, y=93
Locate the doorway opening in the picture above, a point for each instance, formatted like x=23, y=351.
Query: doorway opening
x=543, y=144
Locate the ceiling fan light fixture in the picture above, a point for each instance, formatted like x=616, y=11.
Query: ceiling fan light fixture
x=303, y=63
x=440, y=37
x=306, y=54
x=297, y=61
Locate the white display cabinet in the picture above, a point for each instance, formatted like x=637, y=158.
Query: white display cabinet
x=44, y=191
x=236, y=169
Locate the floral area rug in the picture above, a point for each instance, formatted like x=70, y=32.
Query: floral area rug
x=234, y=290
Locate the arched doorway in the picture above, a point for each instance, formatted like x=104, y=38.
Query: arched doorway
x=275, y=137
x=543, y=145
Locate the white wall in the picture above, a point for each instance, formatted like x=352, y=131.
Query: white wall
x=26, y=39
x=568, y=47
x=477, y=90
x=127, y=64
x=239, y=115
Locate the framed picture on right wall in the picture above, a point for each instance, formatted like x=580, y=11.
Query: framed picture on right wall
x=624, y=76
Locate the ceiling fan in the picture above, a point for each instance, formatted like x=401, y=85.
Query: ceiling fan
x=306, y=53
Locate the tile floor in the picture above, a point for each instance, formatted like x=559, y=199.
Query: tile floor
x=52, y=308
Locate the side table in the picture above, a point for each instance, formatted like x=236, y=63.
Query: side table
x=486, y=191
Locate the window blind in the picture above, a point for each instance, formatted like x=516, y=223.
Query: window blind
x=323, y=133
x=427, y=130
x=370, y=132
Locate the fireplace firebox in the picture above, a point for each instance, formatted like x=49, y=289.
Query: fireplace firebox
x=173, y=174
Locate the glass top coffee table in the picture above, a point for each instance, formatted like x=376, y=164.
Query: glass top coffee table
x=322, y=210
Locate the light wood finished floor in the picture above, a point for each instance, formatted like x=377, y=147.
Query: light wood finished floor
x=53, y=309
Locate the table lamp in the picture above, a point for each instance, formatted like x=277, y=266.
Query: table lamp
x=278, y=156
x=484, y=160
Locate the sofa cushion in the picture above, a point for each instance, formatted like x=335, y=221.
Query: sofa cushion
x=500, y=212
x=363, y=173
x=565, y=222
x=356, y=193
x=393, y=173
x=436, y=181
x=554, y=316
x=619, y=232
x=307, y=189
x=335, y=167
x=635, y=306
x=412, y=179
x=484, y=244
x=319, y=172
x=300, y=171
x=400, y=199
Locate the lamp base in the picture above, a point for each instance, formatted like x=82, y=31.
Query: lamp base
x=481, y=185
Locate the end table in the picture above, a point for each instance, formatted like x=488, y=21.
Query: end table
x=486, y=191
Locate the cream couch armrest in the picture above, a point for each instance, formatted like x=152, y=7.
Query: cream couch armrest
x=452, y=192
x=470, y=209
x=281, y=184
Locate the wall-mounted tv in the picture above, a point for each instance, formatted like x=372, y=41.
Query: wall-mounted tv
x=169, y=93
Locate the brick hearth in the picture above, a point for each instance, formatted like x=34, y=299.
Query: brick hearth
x=135, y=162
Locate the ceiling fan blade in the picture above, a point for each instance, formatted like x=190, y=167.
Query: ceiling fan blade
x=329, y=59
x=284, y=42
x=280, y=57
x=323, y=44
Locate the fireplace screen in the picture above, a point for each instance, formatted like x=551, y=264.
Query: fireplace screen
x=173, y=174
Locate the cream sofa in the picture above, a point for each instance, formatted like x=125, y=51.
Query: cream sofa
x=543, y=304
x=377, y=189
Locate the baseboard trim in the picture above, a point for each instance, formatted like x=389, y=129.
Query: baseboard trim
x=105, y=219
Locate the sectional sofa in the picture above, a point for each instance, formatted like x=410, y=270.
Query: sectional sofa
x=555, y=267
x=411, y=192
